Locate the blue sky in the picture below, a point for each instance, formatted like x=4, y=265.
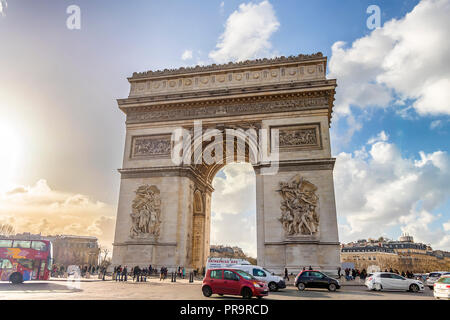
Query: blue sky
x=58, y=90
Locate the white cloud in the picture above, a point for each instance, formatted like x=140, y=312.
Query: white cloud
x=187, y=55
x=247, y=33
x=379, y=189
x=404, y=59
x=39, y=209
x=382, y=136
x=3, y=6
x=435, y=124
x=233, y=208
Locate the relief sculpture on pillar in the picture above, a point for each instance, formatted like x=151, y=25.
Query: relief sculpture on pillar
x=299, y=214
x=146, y=212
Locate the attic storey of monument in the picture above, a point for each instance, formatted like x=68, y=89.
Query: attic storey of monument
x=286, y=102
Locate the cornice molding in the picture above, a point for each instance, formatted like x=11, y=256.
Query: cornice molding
x=226, y=66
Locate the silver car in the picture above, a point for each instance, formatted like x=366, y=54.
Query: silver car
x=391, y=281
x=433, y=277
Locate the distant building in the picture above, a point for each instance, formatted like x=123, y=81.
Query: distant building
x=403, y=255
x=226, y=251
x=69, y=249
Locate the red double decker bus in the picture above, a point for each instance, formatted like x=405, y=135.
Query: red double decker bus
x=23, y=260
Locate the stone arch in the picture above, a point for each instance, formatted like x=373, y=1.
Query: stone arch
x=289, y=95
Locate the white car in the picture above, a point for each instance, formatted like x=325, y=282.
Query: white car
x=433, y=277
x=442, y=288
x=391, y=281
x=274, y=282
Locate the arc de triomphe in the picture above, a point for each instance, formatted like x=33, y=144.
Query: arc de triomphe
x=164, y=211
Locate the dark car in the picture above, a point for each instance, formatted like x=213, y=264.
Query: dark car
x=315, y=279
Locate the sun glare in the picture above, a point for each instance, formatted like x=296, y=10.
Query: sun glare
x=10, y=148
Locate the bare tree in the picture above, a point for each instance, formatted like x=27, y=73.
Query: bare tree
x=6, y=229
x=104, y=251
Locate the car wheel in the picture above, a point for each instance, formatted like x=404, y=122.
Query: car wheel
x=246, y=293
x=16, y=278
x=273, y=286
x=378, y=287
x=207, y=292
x=332, y=287
x=259, y=298
x=301, y=286
x=431, y=287
x=220, y=294
x=414, y=288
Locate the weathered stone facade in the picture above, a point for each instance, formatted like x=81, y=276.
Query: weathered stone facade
x=291, y=95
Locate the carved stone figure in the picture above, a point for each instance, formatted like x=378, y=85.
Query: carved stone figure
x=299, y=207
x=146, y=212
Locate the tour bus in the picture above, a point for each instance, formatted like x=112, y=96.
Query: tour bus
x=23, y=260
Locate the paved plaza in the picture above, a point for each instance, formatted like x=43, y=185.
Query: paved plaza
x=180, y=290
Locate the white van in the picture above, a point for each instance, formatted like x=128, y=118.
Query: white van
x=213, y=263
x=274, y=282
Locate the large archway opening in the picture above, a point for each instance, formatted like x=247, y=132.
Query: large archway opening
x=233, y=212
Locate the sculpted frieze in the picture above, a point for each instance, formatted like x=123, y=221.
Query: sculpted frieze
x=182, y=113
x=146, y=213
x=151, y=146
x=299, y=204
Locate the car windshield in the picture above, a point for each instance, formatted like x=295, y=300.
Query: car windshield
x=267, y=270
x=444, y=280
x=245, y=275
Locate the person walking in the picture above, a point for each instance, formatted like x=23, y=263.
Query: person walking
x=286, y=274
x=184, y=272
x=310, y=268
x=124, y=273
x=339, y=272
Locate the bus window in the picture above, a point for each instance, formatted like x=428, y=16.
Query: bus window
x=5, y=264
x=39, y=245
x=5, y=243
x=22, y=244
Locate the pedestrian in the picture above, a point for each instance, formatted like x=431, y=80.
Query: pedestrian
x=339, y=272
x=286, y=274
x=310, y=268
x=303, y=269
x=161, y=274
x=184, y=272
x=136, y=273
x=124, y=273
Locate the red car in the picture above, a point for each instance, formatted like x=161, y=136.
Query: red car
x=233, y=282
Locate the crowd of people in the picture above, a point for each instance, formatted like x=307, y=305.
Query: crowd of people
x=140, y=274
x=351, y=274
x=60, y=271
